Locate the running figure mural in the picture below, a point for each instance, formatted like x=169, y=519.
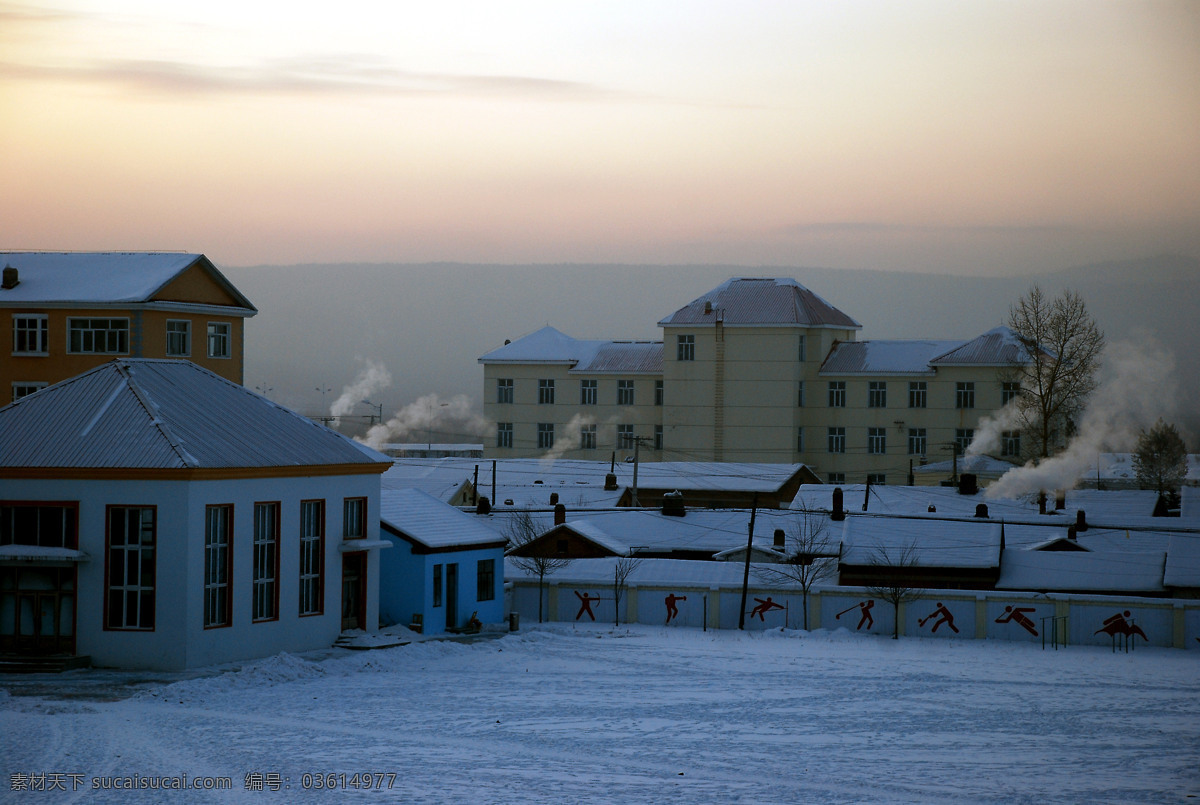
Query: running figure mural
x=1017, y=615
x=866, y=618
x=943, y=616
x=672, y=608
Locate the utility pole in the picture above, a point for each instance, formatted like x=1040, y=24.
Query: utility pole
x=746, y=569
x=637, y=442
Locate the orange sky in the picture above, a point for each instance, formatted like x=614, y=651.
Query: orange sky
x=978, y=137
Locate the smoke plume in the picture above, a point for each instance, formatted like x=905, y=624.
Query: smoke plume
x=421, y=419
x=1138, y=388
x=987, y=432
x=372, y=378
x=569, y=438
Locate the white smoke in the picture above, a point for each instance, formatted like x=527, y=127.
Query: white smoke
x=569, y=438
x=372, y=378
x=418, y=421
x=988, y=431
x=1139, y=387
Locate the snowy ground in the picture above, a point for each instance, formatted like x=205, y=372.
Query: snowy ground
x=644, y=714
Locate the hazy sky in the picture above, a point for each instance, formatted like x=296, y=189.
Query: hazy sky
x=956, y=136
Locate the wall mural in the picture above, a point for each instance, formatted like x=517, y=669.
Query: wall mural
x=866, y=618
x=943, y=615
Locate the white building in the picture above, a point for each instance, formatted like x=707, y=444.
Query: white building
x=155, y=515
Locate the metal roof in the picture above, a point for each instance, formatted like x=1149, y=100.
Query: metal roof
x=164, y=414
x=91, y=278
x=997, y=347
x=434, y=524
x=884, y=357
x=763, y=302
x=624, y=357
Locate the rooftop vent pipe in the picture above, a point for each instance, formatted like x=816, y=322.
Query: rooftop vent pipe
x=672, y=504
x=707, y=306
x=1060, y=499
x=10, y=280
x=838, y=513
x=967, y=484
x=484, y=506
x=981, y=510
x=1081, y=521
x=560, y=514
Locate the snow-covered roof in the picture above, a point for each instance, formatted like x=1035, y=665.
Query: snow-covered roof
x=884, y=357
x=432, y=523
x=1066, y=571
x=594, y=573
x=90, y=278
x=934, y=543
x=708, y=476
x=780, y=302
x=903, y=500
x=999, y=346
x=441, y=480
x=977, y=464
x=623, y=357
x=165, y=414
x=1183, y=561
x=546, y=345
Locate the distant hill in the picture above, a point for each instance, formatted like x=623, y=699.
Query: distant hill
x=428, y=323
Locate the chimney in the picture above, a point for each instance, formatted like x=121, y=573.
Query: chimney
x=779, y=539
x=837, y=514
x=1081, y=521
x=610, y=482
x=484, y=506
x=672, y=504
x=707, y=306
x=1042, y=502
x=932, y=508
x=1072, y=534
x=1060, y=500
x=981, y=510
x=11, y=280
x=967, y=484
x=553, y=498
x=560, y=514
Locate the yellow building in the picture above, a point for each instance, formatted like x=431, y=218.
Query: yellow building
x=756, y=370
x=71, y=311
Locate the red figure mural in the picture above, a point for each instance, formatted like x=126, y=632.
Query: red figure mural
x=1117, y=625
x=866, y=618
x=943, y=616
x=585, y=605
x=1019, y=617
x=764, y=606
x=672, y=609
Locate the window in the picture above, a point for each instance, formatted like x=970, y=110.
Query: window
x=877, y=394
x=800, y=395
x=485, y=580
x=802, y=354
x=1009, y=392
x=624, y=437
x=98, y=336
x=31, y=334
x=685, y=348
x=22, y=389
x=545, y=435
x=503, y=434
x=837, y=477
x=917, y=392
x=624, y=392
x=437, y=585
x=837, y=440
x=963, y=438
x=837, y=394
x=964, y=395
x=658, y=392
x=876, y=479
x=658, y=437
x=129, y=566
x=312, y=549
x=799, y=440
x=587, y=437
x=916, y=441
x=179, y=338
x=218, y=339
x=1010, y=443
x=587, y=392
x=504, y=390
x=37, y=524
x=545, y=392
x=876, y=440
x=218, y=562
x=265, y=589
x=354, y=518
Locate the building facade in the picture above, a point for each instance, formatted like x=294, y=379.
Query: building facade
x=756, y=370
x=72, y=311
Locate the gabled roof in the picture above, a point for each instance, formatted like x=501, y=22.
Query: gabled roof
x=166, y=415
x=884, y=357
x=997, y=347
x=426, y=521
x=91, y=278
x=760, y=302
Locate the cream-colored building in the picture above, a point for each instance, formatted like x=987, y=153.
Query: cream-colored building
x=756, y=370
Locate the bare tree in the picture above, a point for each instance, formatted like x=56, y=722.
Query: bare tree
x=894, y=583
x=1058, y=371
x=621, y=570
x=521, y=530
x=810, y=557
x=1160, y=459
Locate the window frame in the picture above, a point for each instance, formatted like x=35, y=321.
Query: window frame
x=918, y=437
x=505, y=388
x=218, y=566
x=802, y=353
x=1010, y=444
x=877, y=478
x=589, y=392
x=485, y=580
x=626, y=437
x=545, y=435
x=39, y=332
x=918, y=394
x=70, y=522
x=23, y=388
x=658, y=437
x=836, y=439
x=800, y=439
x=348, y=517
x=587, y=437
x=625, y=392
x=546, y=391
x=504, y=435
x=964, y=395
x=312, y=552
x=837, y=394
x=877, y=394
x=963, y=438
x=145, y=594
x=186, y=333
x=1009, y=391
x=264, y=585
x=123, y=335
x=658, y=392
x=220, y=340
x=685, y=347
x=436, y=586
x=836, y=478
x=876, y=441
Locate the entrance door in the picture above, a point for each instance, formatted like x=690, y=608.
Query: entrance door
x=354, y=590
x=37, y=610
x=452, y=596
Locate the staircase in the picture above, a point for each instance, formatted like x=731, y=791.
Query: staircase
x=42, y=664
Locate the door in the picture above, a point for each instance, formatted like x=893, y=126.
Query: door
x=354, y=590
x=452, y=596
x=37, y=610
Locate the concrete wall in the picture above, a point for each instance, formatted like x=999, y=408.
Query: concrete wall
x=406, y=586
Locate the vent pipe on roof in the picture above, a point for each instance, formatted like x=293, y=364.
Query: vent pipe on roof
x=672, y=504
x=560, y=514
x=1042, y=502
x=981, y=510
x=967, y=484
x=10, y=280
x=837, y=514
x=484, y=506
x=553, y=498
x=1081, y=521
x=1072, y=534
x=707, y=306
x=1060, y=500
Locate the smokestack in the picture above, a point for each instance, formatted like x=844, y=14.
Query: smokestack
x=560, y=514
x=981, y=510
x=1042, y=502
x=1060, y=500
x=967, y=484
x=10, y=280
x=779, y=539
x=837, y=514
x=553, y=498
x=1081, y=521
x=672, y=504
x=484, y=506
